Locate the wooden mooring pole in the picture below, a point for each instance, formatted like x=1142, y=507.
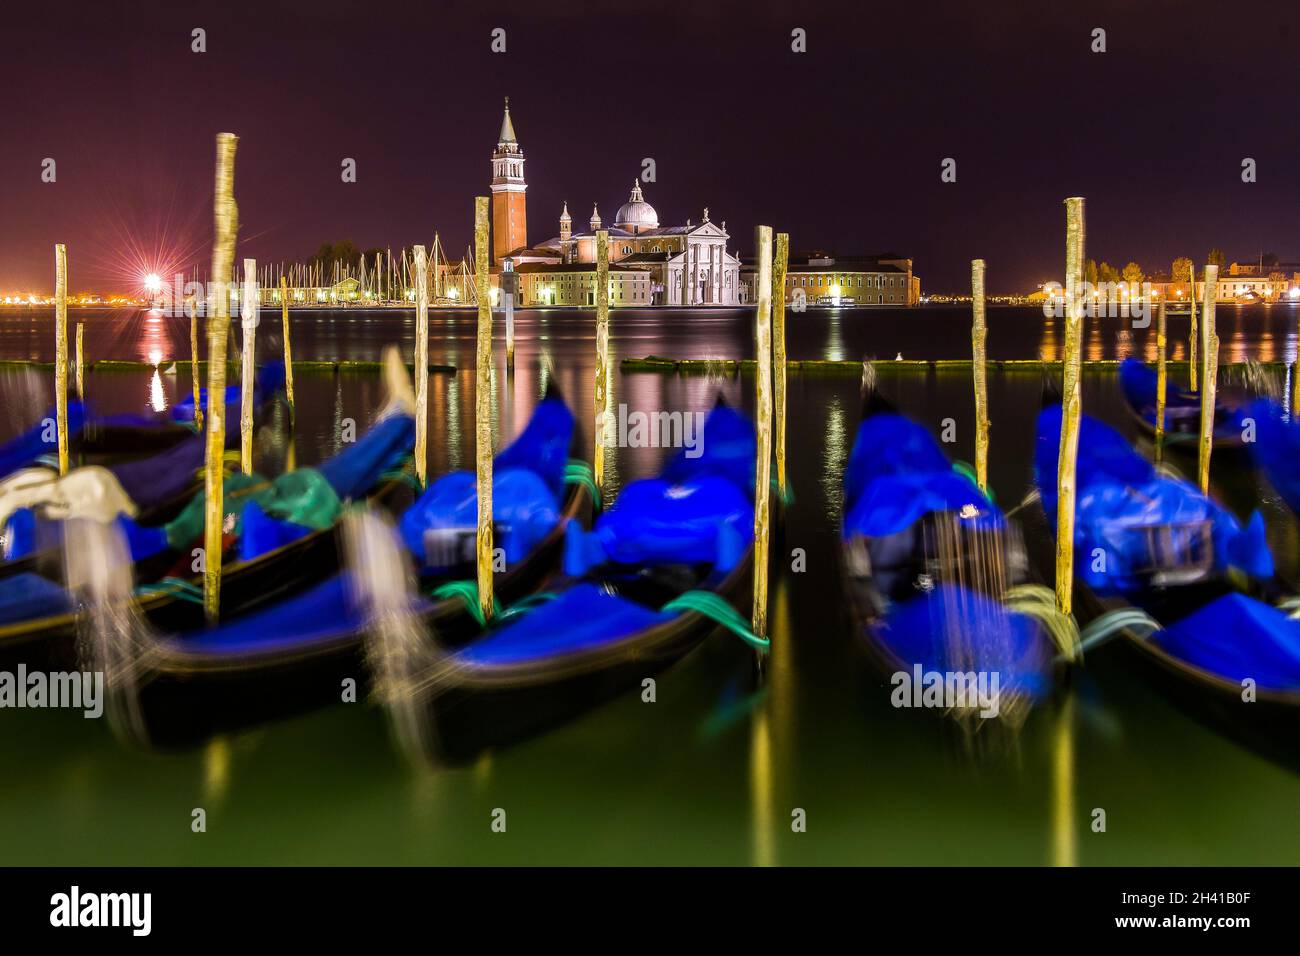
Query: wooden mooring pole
x=1162, y=377
x=81, y=361
x=1191, y=355
x=763, y=415
x=421, y=366
x=194, y=362
x=483, y=408
x=248, y=314
x=979, y=334
x=779, y=266
x=288, y=350
x=1209, y=375
x=226, y=221
x=508, y=300
x=1071, y=404
x=602, y=354
x=61, y=352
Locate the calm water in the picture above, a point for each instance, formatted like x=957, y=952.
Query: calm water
x=712, y=771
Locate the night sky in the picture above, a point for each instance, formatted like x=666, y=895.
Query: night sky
x=840, y=146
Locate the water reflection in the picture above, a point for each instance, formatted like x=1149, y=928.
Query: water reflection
x=1047, y=345
x=803, y=741
x=157, y=397
x=834, y=456
x=1064, y=840
x=772, y=734
x=935, y=332
x=834, y=337
x=216, y=772
x=760, y=789
x=154, y=338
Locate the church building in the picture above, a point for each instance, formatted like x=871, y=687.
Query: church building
x=650, y=264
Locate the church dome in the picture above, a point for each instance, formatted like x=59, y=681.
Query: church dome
x=636, y=214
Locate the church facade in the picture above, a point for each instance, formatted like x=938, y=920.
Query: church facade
x=650, y=264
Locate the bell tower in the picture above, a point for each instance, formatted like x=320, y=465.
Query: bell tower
x=509, y=210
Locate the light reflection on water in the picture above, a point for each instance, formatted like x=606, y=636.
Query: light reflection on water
x=157, y=398
x=634, y=783
x=1263, y=332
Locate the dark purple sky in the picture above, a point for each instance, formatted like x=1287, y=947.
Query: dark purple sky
x=840, y=146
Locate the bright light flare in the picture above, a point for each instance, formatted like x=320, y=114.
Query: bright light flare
x=153, y=283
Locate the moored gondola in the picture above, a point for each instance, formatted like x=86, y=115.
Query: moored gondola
x=1276, y=447
x=942, y=601
x=104, y=439
x=268, y=559
x=1182, y=586
x=152, y=489
x=1138, y=384
x=296, y=654
x=648, y=584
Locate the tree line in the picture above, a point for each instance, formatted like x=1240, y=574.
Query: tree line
x=1181, y=270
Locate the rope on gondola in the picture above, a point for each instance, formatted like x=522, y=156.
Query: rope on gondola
x=524, y=605
x=1103, y=628
x=467, y=591
x=719, y=610
x=784, y=496
x=1292, y=607
x=177, y=587
x=401, y=474
x=965, y=468
x=1039, y=602
x=578, y=472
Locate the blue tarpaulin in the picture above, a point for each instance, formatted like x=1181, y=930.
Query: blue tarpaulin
x=1130, y=519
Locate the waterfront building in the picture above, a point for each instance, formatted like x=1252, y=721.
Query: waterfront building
x=1242, y=288
x=574, y=283
x=824, y=279
x=685, y=264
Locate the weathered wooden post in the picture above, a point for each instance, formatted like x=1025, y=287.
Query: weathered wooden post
x=1162, y=377
x=979, y=334
x=61, y=352
x=1295, y=375
x=421, y=365
x=226, y=220
x=1209, y=374
x=194, y=362
x=483, y=408
x=508, y=285
x=248, y=315
x=763, y=413
x=81, y=360
x=778, y=354
x=1071, y=404
x=1191, y=357
x=602, y=353
x=288, y=351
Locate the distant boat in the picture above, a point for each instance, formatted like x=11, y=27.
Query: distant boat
x=1182, y=410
